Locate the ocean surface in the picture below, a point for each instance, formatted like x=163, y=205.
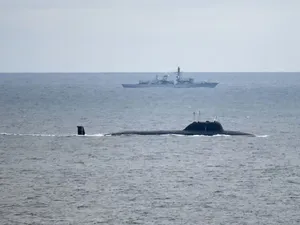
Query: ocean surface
x=49, y=175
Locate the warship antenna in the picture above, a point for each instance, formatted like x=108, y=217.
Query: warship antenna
x=199, y=116
x=194, y=116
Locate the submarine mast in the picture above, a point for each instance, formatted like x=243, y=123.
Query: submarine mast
x=178, y=74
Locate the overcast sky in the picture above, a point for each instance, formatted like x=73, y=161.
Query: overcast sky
x=149, y=35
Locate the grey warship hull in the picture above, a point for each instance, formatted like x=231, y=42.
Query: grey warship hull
x=147, y=85
x=197, y=85
x=194, y=85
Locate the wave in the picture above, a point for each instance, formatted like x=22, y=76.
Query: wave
x=53, y=135
x=36, y=135
x=262, y=136
x=108, y=135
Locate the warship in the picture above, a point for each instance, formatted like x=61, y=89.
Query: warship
x=164, y=82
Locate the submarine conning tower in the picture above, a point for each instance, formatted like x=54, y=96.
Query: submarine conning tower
x=204, y=126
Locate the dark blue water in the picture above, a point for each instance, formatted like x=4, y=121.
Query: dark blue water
x=51, y=176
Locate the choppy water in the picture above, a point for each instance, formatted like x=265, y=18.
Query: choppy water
x=49, y=175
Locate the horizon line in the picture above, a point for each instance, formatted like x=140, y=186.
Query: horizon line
x=149, y=72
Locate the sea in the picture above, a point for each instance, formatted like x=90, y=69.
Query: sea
x=49, y=175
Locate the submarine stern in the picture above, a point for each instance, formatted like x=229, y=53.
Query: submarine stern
x=235, y=133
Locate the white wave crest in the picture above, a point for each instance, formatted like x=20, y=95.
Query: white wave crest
x=262, y=136
x=53, y=135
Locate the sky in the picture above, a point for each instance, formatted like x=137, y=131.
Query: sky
x=149, y=35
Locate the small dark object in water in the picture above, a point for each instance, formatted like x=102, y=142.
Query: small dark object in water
x=80, y=130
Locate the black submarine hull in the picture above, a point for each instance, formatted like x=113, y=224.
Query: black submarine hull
x=181, y=132
x=196, y=128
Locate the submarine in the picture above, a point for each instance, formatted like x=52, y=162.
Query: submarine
x=207, y=128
